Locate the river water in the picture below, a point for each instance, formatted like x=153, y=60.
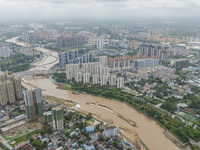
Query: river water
x=49, y=60
x=148, y=130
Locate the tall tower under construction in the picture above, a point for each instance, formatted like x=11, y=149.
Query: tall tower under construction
x=3, y=94
x=34, y=104
x=58, y=117
x=11, y=92
x=28, y=98
x=18, y=88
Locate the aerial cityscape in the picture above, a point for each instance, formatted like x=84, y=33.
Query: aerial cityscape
x=99, y=75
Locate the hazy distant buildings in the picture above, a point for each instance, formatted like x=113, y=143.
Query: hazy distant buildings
x=153, y=51
x=148, y=62
x=33, y=103
x=71, y=41
x=180, y=63
x=72, y=57
x=4, y=50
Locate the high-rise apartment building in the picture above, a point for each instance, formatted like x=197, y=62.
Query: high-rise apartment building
x=120, y=82
x=33, y=103
x=18, y=88
x=4, y=51
x=47, y=117
x=11, y=89
x=112, y=80
x=78, y=77
x=11, y=92
x=86, y=78
x=71, y=41
x=62, y=60
x=95, y=79
x=103, y=60
x=72, y=57
x=3, y=94
x=103, y=80
x=152, y=50
x=58, y=117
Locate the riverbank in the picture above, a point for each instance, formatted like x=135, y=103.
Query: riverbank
x=169, y=135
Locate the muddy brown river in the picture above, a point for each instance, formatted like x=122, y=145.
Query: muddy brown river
x=148, y=130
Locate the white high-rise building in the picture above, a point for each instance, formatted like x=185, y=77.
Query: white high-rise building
x=112, y=80
x=103, y=80
x=71, y=70
x=78, y=77
x=4, y=51
x=103, y=60
x=86, y=78
x=96, y=79
x=85, y=68
x=68, y=72
x=75, y=69
x=100, y=43
x=99, y=70
x=94, y=67
x=128, y=64
x=120, y=82
x=118, y=65
x=110, y=131
x=105, y=71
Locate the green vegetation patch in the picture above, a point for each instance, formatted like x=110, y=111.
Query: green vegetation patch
x=23, y=138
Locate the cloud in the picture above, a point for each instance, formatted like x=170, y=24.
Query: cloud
x=75, y=9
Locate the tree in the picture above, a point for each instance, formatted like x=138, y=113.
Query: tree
x=31, y=139
x=49, y=130
x=115, y=144
x=169, y=106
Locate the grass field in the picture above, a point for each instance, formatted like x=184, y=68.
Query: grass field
x=23, y=138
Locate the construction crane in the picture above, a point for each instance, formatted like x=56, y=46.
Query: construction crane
x=34, y=73
x=6, y=73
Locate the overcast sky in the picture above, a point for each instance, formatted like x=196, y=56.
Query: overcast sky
x=99, y=9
